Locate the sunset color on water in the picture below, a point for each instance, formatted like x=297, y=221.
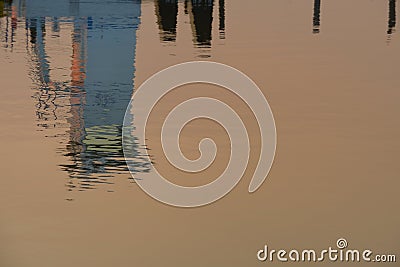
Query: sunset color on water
x=328, y=69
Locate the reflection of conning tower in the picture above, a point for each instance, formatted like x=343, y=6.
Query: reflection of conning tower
x=316, y=16
x=392, y=17
x=202, y=11
x=167, y=12
x=101, y=80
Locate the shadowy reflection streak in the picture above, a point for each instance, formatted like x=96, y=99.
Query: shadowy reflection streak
x=316, y=16
x=392, y=17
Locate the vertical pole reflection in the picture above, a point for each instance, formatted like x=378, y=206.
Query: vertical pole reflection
x=222, y=19
x=392, y=17
x=32, y=30
x=316, y=16
x=13, y=23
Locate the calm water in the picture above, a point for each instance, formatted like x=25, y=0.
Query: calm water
x=81, y=59
x=329, y=70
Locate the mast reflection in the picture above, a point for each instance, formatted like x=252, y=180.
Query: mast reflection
x=392, y=17
x=316, y=16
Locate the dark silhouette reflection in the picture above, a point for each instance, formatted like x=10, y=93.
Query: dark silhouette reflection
x=392, y=17
x=201, y=19
x=89, y=105
x=202, y=11
x=32, y=30
x=167, y=12
x=316, y=16
x=222, y=19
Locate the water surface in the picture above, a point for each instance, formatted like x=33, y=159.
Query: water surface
x=329, y=70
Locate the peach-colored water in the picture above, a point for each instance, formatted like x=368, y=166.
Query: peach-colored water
x=334, y=95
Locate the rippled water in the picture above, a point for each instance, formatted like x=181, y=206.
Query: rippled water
x=68, y=69
x=81, y=58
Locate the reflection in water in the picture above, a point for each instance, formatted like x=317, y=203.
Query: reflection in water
x=392, y=17
x=316, y=16
x=391, y=20
x=202, y=11
x=167, y=12
x=5, y=7
x=82, y=63
x=221, y=19
x=88, y=104
x=81, y=58
x=201, y=18
x=7, y=10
